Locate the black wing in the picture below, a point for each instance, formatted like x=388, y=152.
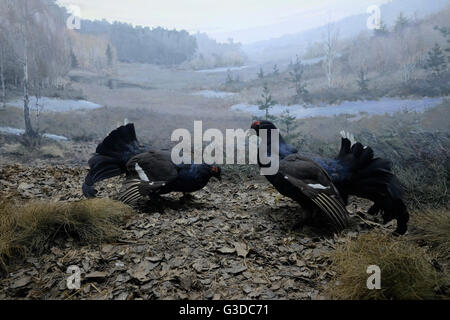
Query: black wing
x=147, y=174
x=111, y=157
x=310, y=180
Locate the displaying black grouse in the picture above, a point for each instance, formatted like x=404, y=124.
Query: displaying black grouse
x=355, y=171
x=148, y=172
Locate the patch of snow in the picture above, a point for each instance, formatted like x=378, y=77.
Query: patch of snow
x=214, y=94
x=371, y=107
x=222, y=69
x=56, y=105
x=18, y=132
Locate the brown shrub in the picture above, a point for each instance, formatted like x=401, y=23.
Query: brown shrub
x=35, y=226
x=406, y=269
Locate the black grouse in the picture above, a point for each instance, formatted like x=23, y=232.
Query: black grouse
x=355, y=171
x=148, y=172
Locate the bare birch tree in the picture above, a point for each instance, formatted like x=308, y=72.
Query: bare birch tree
x=38, y=45
x=19, y=15
x=2, y=70
x=331, y=53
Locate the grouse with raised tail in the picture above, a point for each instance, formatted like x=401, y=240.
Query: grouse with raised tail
x=148, y=172
x=355, y=171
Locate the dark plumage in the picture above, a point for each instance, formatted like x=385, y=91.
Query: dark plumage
x=304, y=181
x=148, y=172
x=355, y=171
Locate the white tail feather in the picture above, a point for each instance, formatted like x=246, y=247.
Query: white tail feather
x=349, y=136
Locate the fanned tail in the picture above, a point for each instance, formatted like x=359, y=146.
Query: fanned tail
x=372, y=178
x=111, y=157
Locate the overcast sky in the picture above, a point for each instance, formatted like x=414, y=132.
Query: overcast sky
x=244, y=20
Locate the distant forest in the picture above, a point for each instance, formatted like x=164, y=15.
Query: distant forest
x=211, y=54
x=38, y=50
x=165, y=47
x=143, y=44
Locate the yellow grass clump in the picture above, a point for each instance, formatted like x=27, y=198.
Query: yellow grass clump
x=52, y=151
x=432, y=228
x=35, y=226
x=406, y=270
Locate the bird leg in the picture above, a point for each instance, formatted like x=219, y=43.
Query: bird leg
x=374, y=210
x=306, y=220
x=187, y=197
x=155, y=199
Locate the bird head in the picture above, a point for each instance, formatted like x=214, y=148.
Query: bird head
x=216, y=172
x=261, y=125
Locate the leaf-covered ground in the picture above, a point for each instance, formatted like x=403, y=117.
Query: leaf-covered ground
x=229, y=241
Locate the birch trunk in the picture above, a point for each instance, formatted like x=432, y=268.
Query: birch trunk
x=26, y=99
x=2, y=78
